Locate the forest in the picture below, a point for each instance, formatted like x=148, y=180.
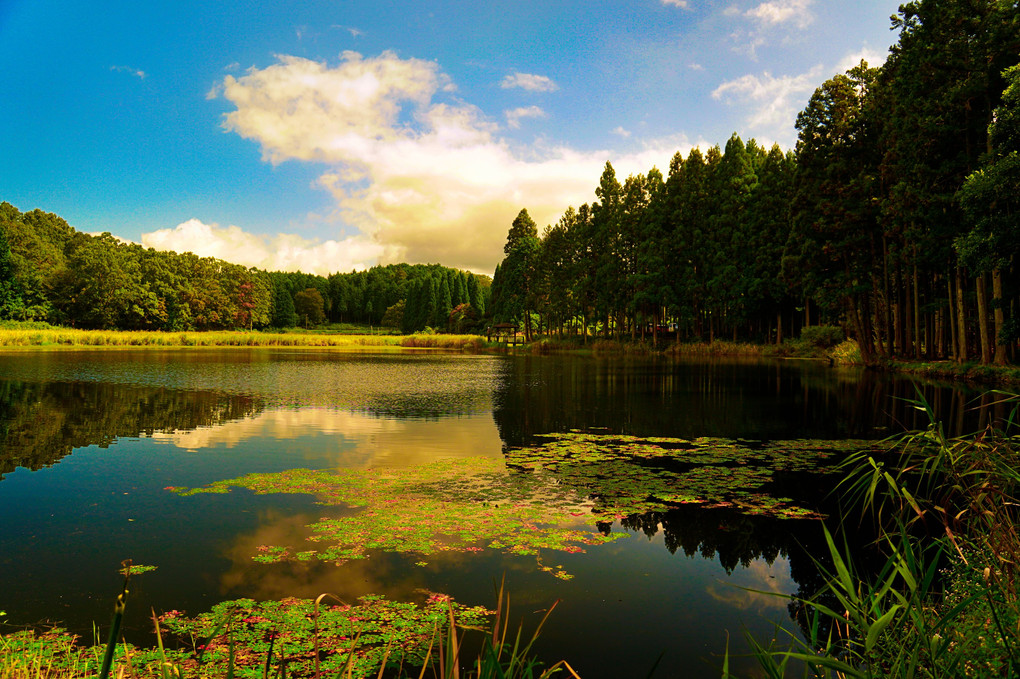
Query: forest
x=895, y=216
x=51, y=272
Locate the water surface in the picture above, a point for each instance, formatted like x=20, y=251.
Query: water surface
x=90, y=441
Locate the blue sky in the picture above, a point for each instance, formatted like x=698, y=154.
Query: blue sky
x=333, y=135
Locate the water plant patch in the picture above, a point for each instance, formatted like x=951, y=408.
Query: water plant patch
x=235, y=638
x=373, y=628
x=546, y=497
x=462, y=505
x=626, y=475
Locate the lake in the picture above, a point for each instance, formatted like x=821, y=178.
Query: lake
x=97, y=449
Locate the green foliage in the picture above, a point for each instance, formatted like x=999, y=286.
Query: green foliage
x=394, y=316
x=518, y=278
x=49, y=271
x=901, y=623
x=846, y=353
x=11, y=303
x=990, y=196
x=312, y=637
x=308, y=305
x=284, y=313
x=822, y=336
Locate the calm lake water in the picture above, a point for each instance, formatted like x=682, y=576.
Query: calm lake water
x=90, y=441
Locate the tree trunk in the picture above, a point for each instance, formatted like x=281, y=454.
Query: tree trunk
x=982, y=312
x=898, y=313
x=961, y=319
x=953, y=335
x=863, y=338
x=886, y=321
x=917, y=318
x=1000, y=320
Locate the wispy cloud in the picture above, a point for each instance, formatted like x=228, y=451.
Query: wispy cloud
x=771, y=103
x=529, y=81
x=676, y=3
x=423, y=180
x=141, y=75
x=355, y=32
x=768, y=18
x=621, y=132
x=513, y=117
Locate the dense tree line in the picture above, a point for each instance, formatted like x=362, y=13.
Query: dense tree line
x=895, y=216
x=51, y=272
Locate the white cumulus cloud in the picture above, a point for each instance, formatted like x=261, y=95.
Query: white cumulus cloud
x=872, y=57
x=771, y=103
x=529, y=81
x=282, y=252
x=423, y=180
x=782, y=12
x=676, y=3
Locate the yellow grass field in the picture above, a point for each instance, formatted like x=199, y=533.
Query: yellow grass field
x=70, y=338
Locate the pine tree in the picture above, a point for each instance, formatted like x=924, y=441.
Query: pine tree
x=284, y=313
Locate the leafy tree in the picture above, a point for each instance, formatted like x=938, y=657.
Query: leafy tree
x=474, y=294
x=831, y=247
x=11, y=304
x=990, y=197
x=517, y=272
x=309, y=307
x=394, y=316
x=606, y=248
x=444, y=303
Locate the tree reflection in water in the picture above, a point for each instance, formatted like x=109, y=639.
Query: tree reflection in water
x=41, y=422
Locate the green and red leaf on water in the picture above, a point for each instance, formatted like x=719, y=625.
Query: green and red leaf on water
x=544, y=497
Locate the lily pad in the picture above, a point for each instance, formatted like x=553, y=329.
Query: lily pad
x=557, y=496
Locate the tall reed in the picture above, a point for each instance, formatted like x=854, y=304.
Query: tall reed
x=945, y=603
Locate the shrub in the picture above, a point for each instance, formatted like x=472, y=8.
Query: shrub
x=846, y=353
x=822, y=336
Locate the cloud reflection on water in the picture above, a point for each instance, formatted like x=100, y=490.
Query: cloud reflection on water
x=361, y=441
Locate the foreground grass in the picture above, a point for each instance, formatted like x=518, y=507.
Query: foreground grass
x=57, y=338
x=946, y=602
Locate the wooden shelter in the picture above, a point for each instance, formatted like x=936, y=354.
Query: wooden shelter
x=507, y=333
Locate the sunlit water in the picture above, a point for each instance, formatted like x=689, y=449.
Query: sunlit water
x=90, y=441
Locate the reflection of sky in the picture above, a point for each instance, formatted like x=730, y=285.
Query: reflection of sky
x=757, y=588
x=349, y=439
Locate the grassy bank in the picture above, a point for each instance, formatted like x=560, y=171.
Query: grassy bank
x=948, y=370
x=21, y=336
x=71, y=338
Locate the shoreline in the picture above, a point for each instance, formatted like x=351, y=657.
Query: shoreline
x=22, y=340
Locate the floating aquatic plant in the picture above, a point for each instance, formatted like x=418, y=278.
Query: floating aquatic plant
x=463, y=505
x=373, y=631
x=236, y=638
x=628, y=475
x=545, y=497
